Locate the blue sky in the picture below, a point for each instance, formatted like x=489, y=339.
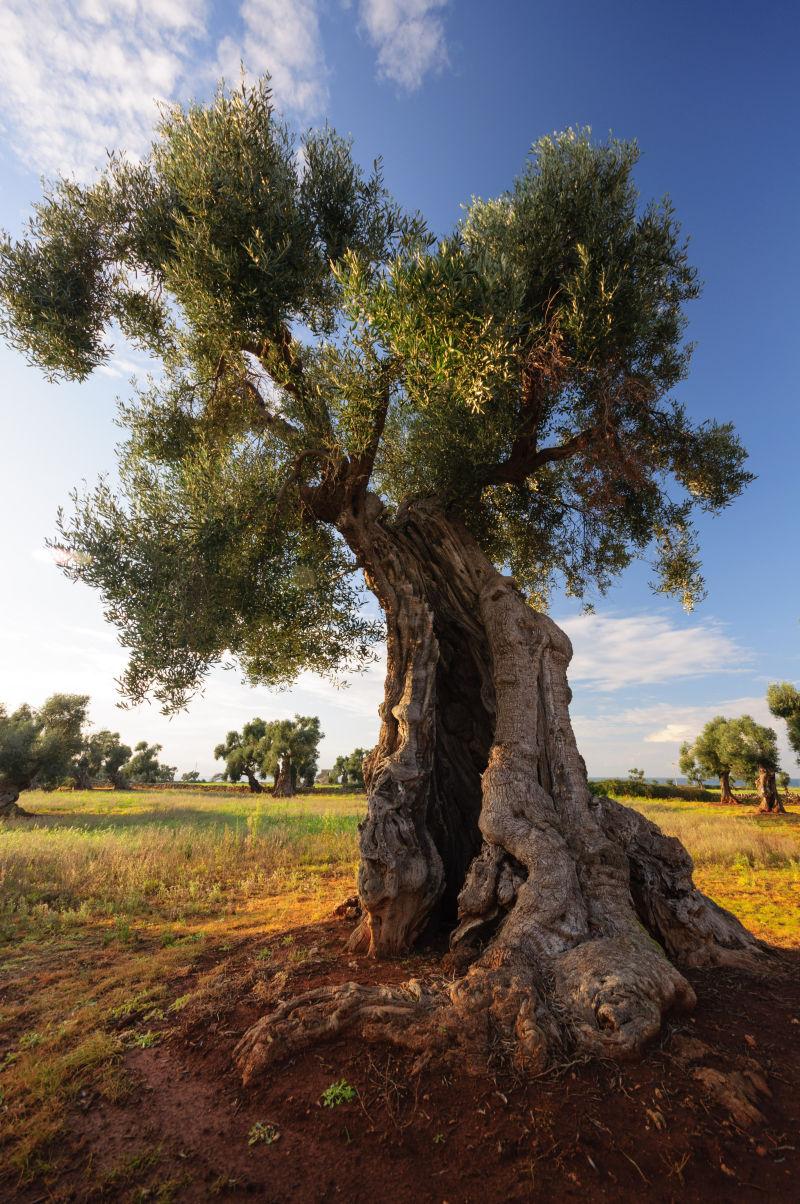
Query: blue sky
x=451, y=95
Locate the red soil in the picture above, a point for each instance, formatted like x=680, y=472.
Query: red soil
x=644, y=1131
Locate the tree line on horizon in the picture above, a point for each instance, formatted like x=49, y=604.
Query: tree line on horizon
x=51, y=746
x=48, y=746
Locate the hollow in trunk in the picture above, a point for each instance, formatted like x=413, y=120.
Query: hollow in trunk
x=565, y=911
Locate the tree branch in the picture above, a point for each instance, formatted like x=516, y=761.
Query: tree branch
x=524, y=458
x=275, y=422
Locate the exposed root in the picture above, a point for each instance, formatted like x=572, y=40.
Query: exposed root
x=400, y=1015
x=617, y=992
x=607, y=998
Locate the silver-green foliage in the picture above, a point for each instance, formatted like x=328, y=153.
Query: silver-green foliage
x=314, y=341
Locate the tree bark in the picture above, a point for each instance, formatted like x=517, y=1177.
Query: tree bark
x=725, y=793
x=8, y=804
x=253, y=782
x=564, y=909
x=284, y=780
x=767, y=790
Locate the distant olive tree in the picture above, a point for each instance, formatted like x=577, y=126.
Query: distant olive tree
x=349, y=770
x=710, y=755
x=285, y=748
x=243, y=754
x=755, y=759
x=736, y=748
x=38, y=747
x=145, y=767
x=101, y=760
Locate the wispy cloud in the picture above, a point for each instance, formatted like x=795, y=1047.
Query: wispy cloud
x=614, y=652
x=284, y=39
x=650, y=735
x=408, y=36
x=80, y=77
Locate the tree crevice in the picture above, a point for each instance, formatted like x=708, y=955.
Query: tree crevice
x=569, y=914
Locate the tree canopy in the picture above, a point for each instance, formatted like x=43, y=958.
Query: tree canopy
x=38, y=747
x=783, y=700
x=242, y=753
x=711, y=754
x=349, y=770
x=315, y=341
x=730, y=748
x=101, y=759
x=144, y=766
x=256, y=751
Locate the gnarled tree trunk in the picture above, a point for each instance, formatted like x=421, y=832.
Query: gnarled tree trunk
x=767, y=791
x=565, y=910
x=284, y=782
x=8, y=804
x=726, y=795
x=253, y=782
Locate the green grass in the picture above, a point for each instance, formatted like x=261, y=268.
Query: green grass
x=89, y=855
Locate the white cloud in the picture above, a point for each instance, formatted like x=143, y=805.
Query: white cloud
x=408, y=36
x=673, y=733
x=284, y=39
x=612, y=653
x=650, y=735
x=80, y=77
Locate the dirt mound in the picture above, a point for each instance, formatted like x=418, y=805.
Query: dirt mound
x=713, y=1111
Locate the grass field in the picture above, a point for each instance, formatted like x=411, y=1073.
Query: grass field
x=106, y=900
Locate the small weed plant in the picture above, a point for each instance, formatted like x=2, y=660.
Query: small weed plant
x=338, y=1094
x=263, y=1133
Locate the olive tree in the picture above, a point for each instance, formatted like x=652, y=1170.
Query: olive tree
x=285, y=748
x=38, y=747
x=101, y=759
x=754, y=757
x=463, y=424
x=349, y=770
x=144, y=767
x=291, y=752
x=243, y=754
x=711, y=755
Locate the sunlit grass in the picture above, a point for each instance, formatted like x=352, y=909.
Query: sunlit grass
x=88, y=855
x=109, y=900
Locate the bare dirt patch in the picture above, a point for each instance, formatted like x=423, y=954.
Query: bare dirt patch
x=659, y=1129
